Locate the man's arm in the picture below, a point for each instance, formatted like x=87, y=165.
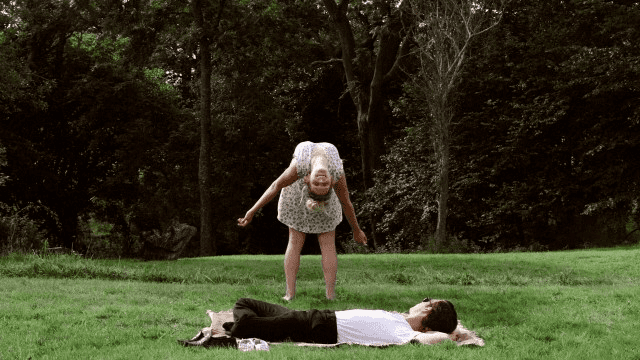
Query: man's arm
x=431, y=337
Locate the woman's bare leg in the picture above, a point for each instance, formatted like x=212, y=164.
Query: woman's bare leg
x=329, y=261
x=292, y=261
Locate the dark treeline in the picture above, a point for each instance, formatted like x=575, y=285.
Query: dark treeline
x=101, y=113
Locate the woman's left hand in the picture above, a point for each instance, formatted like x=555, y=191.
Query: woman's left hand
x=360, y=237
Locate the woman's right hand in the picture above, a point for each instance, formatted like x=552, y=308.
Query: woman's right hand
x=246, y=219
x=360, y=237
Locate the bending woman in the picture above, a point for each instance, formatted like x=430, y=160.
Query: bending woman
x=314, y=195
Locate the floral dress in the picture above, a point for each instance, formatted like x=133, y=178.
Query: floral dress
x=292, y=210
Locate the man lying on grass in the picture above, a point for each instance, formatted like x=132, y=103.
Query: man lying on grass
x=275, y=323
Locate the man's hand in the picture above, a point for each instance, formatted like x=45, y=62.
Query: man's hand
x=246, y=219
x=360, y=237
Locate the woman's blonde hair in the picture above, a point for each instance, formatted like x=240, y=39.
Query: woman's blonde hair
x=309, y=198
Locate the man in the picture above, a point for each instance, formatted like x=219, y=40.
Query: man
x=272, y=322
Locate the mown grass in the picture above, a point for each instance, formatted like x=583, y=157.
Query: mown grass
x=570, y=304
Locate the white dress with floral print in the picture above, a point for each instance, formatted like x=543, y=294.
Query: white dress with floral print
x=291, y=205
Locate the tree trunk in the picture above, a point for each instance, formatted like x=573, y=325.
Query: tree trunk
x=444, y=31
x=443, y=196
x=371, y=134
x=68, y=217
x=368, y=156
x=207, y=241
x=367, y=92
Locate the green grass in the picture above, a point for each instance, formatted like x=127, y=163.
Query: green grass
x=553, y=305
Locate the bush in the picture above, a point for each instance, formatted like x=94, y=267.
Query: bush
x=400, y=200
x=19, y=233
x=104, y=241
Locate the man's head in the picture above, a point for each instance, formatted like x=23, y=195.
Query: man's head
x=439, y=315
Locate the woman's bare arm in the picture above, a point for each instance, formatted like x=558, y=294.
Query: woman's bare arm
x=347, y=207
x=288, y=177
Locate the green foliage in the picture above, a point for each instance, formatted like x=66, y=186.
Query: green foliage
x=102, y=123
x=556, y=117
x=99, y=228
x=19, y=89
x=403, y=192
x=158, y=77
x=98, y=104
x=19, y=233
x=101, y=48
x=543, y=137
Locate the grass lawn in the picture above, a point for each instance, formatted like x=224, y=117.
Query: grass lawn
x=549, y=305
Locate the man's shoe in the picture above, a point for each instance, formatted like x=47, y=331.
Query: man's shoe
x=211, y=341
x=200, y=335
x=203, y=338
x=221, y=341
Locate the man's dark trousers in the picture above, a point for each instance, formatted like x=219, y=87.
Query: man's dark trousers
x=272, y=322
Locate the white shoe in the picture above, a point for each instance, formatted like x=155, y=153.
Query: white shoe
x=246, y=345
x=253, y=344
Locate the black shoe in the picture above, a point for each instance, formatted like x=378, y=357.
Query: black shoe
x=203, y=338
x=197, y=340
x=221, y=341
x=199, y=336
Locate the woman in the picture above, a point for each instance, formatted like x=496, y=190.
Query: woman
x=314, y=194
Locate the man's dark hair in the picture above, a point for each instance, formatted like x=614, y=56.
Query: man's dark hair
x=442, y=317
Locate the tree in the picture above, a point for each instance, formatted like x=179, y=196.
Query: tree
x=259, y=58
x=546, y=121
x=39, y=162
x=442, y=33
x=369, y=66
x=549, y=120
x=66, y=149
x=178, y=36
x=206, y=32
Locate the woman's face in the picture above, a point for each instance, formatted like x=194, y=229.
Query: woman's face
x=320, y=180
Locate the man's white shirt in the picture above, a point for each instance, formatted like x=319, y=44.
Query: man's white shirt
x=373, y=327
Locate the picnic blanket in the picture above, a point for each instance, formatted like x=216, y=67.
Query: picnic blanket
x=461, y=335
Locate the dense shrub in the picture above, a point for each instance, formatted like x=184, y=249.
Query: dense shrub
x=402, y=198
x=18, y=232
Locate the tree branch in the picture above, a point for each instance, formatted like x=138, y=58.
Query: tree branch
x=327, y=62
x=338, y=14
x=344, y=5
x=404, y=50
